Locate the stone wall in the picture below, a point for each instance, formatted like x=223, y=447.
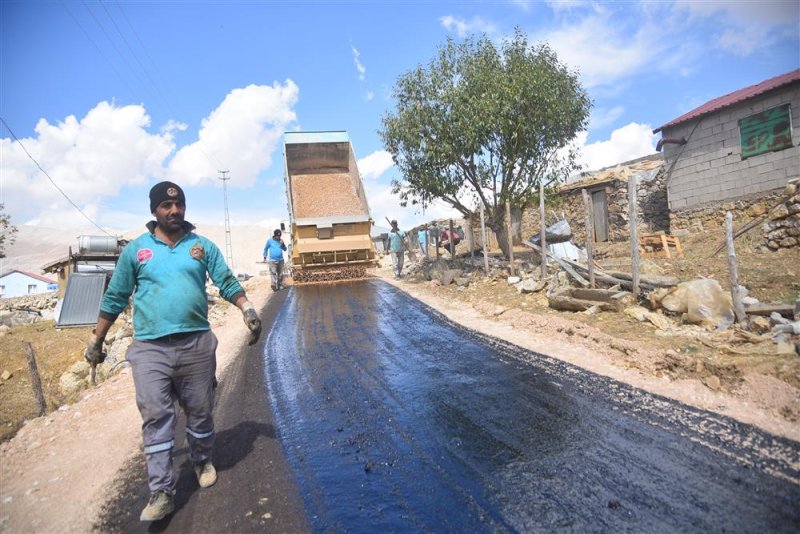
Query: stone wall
x=782, y=229
x=711, y=215
x=709, y=168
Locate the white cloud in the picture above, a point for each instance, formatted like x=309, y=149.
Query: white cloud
x=89, y=159
x=742, y=28
x=374, y=165
x=383, y=204
x=561, y=5
x=465, y=27
x=239, y=136
x=629, y=142
x=362, y=71
x=602, y=117
x=369, y=96
x=603, y=51
x=767, y=11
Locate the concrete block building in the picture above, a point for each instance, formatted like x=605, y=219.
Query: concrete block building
x=741, y=146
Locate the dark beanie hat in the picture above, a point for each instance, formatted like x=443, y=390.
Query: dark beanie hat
x=165, y=191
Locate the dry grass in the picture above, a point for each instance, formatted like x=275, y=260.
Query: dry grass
x=55, y=351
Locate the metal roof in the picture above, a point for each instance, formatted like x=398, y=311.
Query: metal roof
x=291, y=138
x=32, y=275
x=328, y=221
x=619, y=172
x=82, y=299
x=735, y=97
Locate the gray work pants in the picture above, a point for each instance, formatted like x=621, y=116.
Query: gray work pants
x=174, y=368
x=276, y=273
x=397, y=263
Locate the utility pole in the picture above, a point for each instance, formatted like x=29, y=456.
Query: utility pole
x=228, y=246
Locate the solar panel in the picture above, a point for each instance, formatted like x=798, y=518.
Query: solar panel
x=82, y=299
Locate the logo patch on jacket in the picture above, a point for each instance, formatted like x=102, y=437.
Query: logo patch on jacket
x=143, y=254
x=197, y=252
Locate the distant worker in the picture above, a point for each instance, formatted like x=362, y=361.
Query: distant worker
x=447, y=242
x=396, y=248
x=273, y=254
x=173, y=354
x=422, y=237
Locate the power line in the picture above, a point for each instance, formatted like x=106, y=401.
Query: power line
x=51, y=180
x=152, y=78
x=136, y=56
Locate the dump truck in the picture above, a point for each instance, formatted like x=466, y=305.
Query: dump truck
x=328, y=212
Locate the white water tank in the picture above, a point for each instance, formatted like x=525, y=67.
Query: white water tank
x=97, y=244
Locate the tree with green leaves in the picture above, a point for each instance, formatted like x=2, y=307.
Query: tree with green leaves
x=7, y=231
x=480, y=125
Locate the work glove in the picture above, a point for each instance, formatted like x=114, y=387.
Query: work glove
x=94, y=351
x=253, y=323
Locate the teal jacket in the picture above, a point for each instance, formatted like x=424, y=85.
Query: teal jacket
x=396, y=240
x=168, y=284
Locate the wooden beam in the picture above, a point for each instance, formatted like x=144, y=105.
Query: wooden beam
x=633, y=221
x=543, y=226
x=587, y=206
x=510, y=239
x=733, y=271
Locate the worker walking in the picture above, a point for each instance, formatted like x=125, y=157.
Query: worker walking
x=422, y=237
x=173, y=354
x=273, y=254
x=396, y=248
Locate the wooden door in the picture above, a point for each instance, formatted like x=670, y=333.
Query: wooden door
x=600, y=215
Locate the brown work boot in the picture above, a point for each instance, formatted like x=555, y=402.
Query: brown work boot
x=161, y=504
x=206, y=474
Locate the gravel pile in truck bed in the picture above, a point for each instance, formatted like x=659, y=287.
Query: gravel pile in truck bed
x=325, y=195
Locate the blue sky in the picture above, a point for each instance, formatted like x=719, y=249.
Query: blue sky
x=113, y=96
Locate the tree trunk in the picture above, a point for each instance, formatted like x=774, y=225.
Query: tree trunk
x=516, y=225
x=502, y=238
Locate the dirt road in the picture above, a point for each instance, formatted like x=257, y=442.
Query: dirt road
x=394, y=419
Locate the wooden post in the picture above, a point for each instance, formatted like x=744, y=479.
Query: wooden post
x=542, y=232
x=733, y=271
x=510, y=239
x=450, y=240
x=587, y=206
x=36, y=381
x=470, y=238
x=483, y=242
x=633, y=222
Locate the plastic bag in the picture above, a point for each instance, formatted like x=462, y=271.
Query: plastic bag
x=557, y=233
x=703, y=301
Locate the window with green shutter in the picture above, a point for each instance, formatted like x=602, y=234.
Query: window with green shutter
x=767, y=131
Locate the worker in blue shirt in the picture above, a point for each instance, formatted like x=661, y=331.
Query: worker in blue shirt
x=396, y=248
x=422, y=237
x=173, y=354
x=273, y=255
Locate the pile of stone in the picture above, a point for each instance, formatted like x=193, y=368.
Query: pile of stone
x=27, y=309
x=116, y=345
x=782, y=229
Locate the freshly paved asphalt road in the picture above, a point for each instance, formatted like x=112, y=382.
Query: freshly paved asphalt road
x=381, y=415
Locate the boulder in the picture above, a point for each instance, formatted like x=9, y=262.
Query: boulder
x=529, y=285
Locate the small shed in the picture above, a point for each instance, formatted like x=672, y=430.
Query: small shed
x=17, y=283
x=608, y=191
